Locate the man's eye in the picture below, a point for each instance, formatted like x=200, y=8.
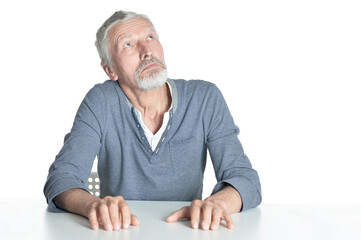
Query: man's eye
x=126, y=45
x=150, y=37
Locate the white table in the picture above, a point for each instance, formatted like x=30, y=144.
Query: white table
x=31, y=220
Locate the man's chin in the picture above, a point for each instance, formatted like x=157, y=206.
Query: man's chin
x=149, y=86
x=153, y=82
x=150, y=89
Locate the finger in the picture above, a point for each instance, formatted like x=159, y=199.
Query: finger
x=179, y=214
x=229, y=221
x=93, y=220
x=104, y=214
x=206, y=214
x=195, y=209
x=114, y=215
x=124, y=209
x=120, y=218
x=216, y=219
x=134, y=220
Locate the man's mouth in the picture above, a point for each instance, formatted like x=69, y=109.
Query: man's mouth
x=150, y=66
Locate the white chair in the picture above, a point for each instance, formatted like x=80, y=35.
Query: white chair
x=93, y=184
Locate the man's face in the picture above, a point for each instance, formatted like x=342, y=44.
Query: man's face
x=136, y=53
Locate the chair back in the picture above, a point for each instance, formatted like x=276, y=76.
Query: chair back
x=93, y=184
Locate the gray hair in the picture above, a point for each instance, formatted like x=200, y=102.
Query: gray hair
x=101, y=42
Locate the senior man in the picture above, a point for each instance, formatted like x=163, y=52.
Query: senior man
x=151, y=136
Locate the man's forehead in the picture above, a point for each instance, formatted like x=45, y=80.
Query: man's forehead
x=130, y=27
x=129, y=35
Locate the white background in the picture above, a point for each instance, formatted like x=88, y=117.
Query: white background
x=290, y=72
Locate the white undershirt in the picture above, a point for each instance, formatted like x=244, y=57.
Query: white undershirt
x=153, y=139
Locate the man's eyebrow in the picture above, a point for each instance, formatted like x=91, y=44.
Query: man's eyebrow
x=149, y=29
x=120, y=38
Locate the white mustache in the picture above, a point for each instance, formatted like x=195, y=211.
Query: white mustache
x=146, y=62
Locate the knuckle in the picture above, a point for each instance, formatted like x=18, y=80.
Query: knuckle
x=228, y=217
x=119, y=198
x=218, y=211
x=211, y=201
x=207, y=205
x=91, y=214
x=183, y=210
x=113, y=205
x=111, y=201
x=225, y=212
x=196, y=202
x=125, y=208
x=106, y=198
x=94, y=205
x=102, y=206
x=195, y=209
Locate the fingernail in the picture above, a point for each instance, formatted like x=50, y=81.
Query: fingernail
x=94, y=227
x=205, y=227
x=195, y=225
x=214, y=227
x=126, y=225
x=109, y=227
x=116, y=227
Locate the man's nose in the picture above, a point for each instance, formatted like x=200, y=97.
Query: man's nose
x=145, y=51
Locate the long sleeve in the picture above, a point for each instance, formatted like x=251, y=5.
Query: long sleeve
x=73, y=164
x=230, y=163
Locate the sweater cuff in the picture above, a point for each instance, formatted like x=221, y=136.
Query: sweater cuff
x=251, y=197
x=58, y=187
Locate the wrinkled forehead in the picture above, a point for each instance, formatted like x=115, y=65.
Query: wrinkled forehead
x=130, y=27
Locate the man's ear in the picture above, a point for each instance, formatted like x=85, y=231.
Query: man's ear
x=110, y=72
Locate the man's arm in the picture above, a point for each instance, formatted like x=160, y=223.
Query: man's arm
x=65, y=187
x=111, y=212
x=74, y=162
x=212, y=210
x=238, y=187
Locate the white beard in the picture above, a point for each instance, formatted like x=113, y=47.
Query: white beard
x=154, y=81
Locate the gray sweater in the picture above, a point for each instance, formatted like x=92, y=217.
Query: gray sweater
x=106, y=125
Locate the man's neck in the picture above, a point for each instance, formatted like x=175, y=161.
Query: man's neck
x=152, y=104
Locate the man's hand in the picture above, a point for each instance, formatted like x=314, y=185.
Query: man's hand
x=211, y=214
x=211, y=211
x=112, y=213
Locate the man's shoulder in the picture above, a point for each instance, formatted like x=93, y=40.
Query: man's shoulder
x=105, y=90
x=196, y=92
x=193, y=83
x=191, y=86
x=106, y=86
